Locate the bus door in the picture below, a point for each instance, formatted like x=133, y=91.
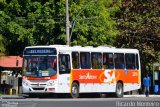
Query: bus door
x=64, y=72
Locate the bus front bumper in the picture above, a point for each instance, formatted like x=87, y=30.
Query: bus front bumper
x=38, y=90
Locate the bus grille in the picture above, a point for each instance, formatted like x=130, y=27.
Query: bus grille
x=38, y=88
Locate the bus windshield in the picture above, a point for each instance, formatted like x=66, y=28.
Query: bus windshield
x=39, y=66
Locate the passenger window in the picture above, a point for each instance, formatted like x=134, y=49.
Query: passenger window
x=119, y=60
x=85, y=60
x=64, y=63
x=137, y=61
x=130, y=61
x=96, y=60
x=108, y=61
x=75, y=60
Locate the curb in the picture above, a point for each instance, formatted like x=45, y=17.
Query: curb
x=127, y=96
x=11, y=97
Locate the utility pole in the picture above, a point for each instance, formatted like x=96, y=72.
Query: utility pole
x=67, y=24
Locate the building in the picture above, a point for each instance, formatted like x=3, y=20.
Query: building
x=10, y=70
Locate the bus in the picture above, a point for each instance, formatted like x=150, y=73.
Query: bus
x=74, y=69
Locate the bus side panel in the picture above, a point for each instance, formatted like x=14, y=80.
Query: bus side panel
x=130, y=79
x=95, y=80
x=105, y=80
x=130, y=87
x=128, y=76
x=86, y=88
x=63, y=83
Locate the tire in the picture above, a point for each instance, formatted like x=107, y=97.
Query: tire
x=75, y=90
x=102, y=95
x=31, y=95
x=119, y=90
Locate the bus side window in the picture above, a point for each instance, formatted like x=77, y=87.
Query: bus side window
x=119, y=60
x=75, y=60
x=96, y=59
x=137, y=61
x=130, y=61
x=108, y=61
x=64, y=63
x=85, y=60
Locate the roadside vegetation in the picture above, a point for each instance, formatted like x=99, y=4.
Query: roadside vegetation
x=119, y=23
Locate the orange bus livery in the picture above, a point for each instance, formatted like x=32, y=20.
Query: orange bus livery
x=76, y=70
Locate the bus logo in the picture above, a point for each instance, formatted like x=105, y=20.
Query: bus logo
x=108, y=76
x=88, y=76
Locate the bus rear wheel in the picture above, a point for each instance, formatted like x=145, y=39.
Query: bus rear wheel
x=119, y=90
x=75, y=90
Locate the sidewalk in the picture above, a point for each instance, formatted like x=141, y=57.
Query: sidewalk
x=12, y=97
x=127, y=96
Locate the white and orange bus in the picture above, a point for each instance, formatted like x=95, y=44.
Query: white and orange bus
x=76, y=69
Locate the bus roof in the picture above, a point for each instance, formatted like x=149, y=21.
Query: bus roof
x=63, y=48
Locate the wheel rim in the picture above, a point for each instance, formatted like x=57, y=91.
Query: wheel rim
x=74, y=90
x=119, y=90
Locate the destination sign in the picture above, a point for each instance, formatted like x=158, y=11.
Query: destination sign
x=40, y=51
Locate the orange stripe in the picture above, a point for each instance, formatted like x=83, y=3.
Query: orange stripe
x=130, y=76
x=42, y=78
x=105, y=76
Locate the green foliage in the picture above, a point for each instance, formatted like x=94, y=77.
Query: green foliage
x=3, y=43
x=139, y=27
x=94, y=24
x=42, y=22
x=25, y=23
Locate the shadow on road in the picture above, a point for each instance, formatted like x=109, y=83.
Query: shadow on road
x=63, y=96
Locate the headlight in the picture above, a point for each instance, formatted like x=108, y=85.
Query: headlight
x=25, y=83
x=50, y=83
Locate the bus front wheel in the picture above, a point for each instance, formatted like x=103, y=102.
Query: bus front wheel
x=75, y=90
x=119, y=90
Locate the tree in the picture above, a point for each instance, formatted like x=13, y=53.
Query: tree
x=42, y=22
x=139, y=27
x=26, y=22
x=12, y=26
x=3, y=40
x=95, y=24
x=3, y=43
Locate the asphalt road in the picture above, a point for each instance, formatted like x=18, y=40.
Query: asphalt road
x=82, y=102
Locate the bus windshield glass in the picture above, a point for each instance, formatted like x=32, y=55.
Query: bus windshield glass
x=39, y=66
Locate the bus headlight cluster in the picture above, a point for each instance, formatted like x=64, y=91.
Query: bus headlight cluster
x=25, y=83
x=50, y=83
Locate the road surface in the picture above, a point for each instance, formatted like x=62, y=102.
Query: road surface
x=130, y=101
